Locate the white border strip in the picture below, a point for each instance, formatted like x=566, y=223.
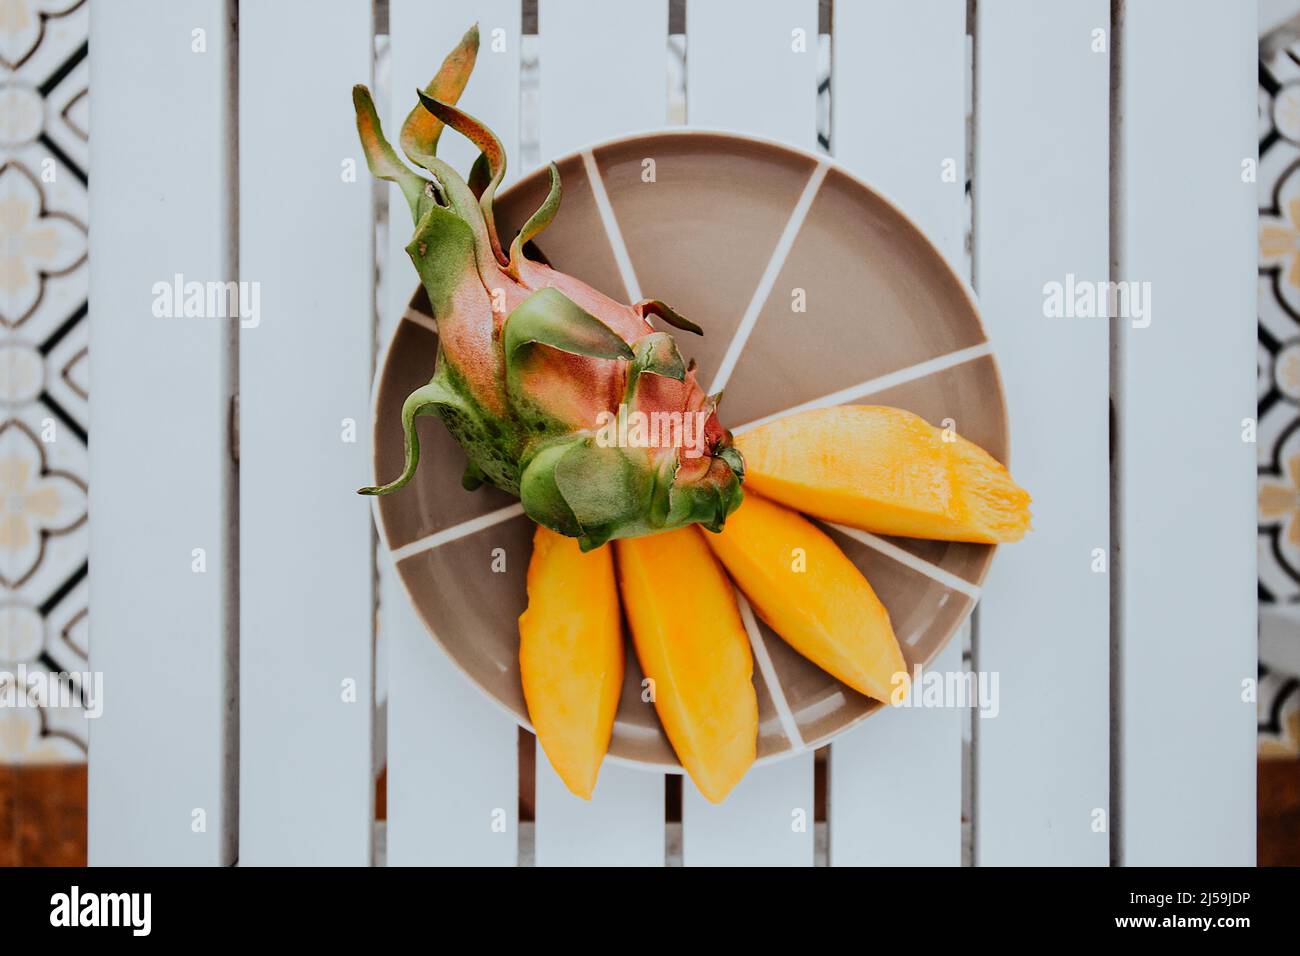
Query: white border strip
x=456, y=531
x=765, y=667
x=768, y=279
x=933, y=571
x=612, y=232
x=912, y=372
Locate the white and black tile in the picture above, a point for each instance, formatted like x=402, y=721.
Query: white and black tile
x=44, y=382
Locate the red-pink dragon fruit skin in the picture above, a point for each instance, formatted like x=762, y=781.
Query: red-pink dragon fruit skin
x=537, y=374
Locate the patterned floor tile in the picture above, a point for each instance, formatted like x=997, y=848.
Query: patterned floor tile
x=44, y=381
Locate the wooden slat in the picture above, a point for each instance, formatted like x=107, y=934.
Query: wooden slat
x=744, y=73
x=897, y=97
x=306, y=602
x=895, y=786
x=898, y=107
x=1187, y=225
x=1040, y=191
x=453, y=779
x=603, y=68
x=603, y=71
x=751, y=65
x=452, y=755
x=766, y=821
x=622, y=824
x=163, y=475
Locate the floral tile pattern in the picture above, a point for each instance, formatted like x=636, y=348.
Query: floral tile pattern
x=1278, y=378
x=44, y=385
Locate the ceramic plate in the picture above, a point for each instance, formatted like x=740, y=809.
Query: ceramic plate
x=739, y=235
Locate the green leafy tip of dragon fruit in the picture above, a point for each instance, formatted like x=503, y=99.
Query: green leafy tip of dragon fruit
x=531, y=361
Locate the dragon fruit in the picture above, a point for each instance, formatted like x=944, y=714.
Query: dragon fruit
x=557, y=393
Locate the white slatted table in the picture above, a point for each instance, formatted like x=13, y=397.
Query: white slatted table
x=905, y=764
x=445, y=791
x=1121, y=724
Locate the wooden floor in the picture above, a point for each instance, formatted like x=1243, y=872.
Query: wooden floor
x=1279, y=813
x=43, y=814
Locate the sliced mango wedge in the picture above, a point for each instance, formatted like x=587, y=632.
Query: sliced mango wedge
x=885, y=470
x=803, y=586
x=571, y=655
x=692, y=645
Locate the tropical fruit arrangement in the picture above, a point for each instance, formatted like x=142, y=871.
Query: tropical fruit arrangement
x=580, y=407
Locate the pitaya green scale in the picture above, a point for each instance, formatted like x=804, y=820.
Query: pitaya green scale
x=533, y=365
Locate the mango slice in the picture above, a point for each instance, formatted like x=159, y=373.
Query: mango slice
x=802, y=585
x=692, y=644
x=887, y=471
x=571, y=655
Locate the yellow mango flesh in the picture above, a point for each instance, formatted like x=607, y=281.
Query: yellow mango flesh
x=803, y=586
x=691, y=642
x=887, y=471
x=571, y=655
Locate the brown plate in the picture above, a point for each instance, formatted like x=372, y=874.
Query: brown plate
x=734, y=233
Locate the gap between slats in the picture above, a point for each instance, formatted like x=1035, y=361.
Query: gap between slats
x=230, y=571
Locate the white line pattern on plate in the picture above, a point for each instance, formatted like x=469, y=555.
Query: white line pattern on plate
x=768, y=279
x=890, y=550
x=879, y=384
x=457, y=531
x=422, y=320
x=768, y=670
x=612, y=231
